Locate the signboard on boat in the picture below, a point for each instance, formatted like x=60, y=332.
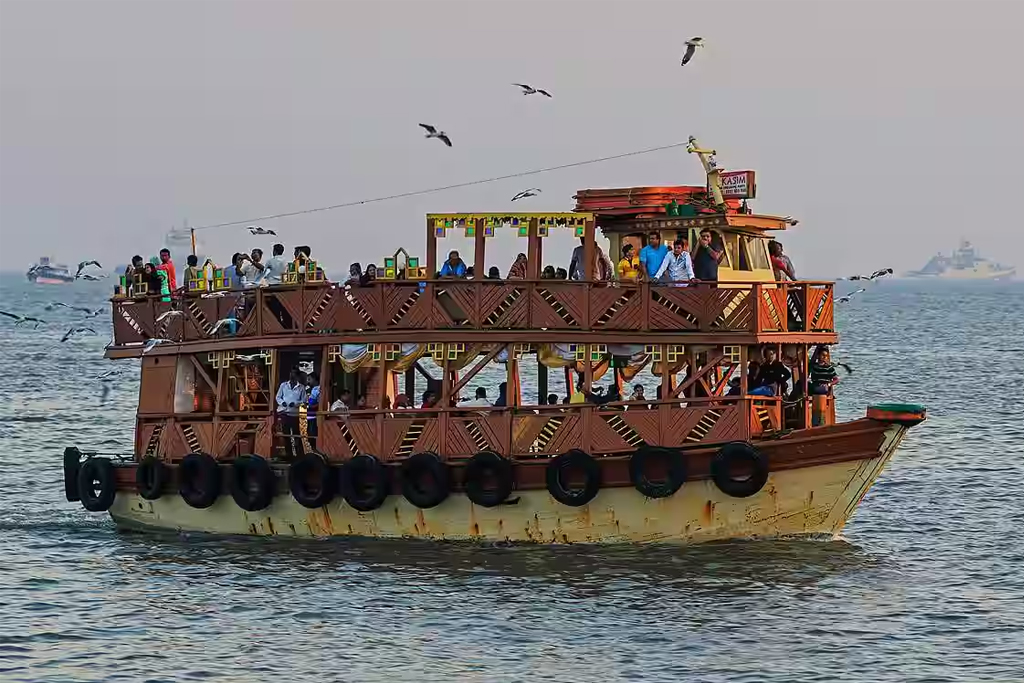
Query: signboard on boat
x=738, y=184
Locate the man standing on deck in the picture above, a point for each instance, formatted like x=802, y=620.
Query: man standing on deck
x=653, y=255
x=602, y=264
x=167, y=265
x=290, y=396
x=677, y=266
x=707, y=257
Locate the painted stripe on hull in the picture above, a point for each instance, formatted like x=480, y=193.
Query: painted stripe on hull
x=808, y=501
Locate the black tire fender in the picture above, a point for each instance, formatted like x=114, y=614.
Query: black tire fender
x=558, y=467
x=93, y=472
x=151, y=477
x=364, y=482
x=312, y=480
x=638, y=469
x=72, y=463
x=199, y=480
x=251, y=483
x=483, y=467
x=732, y=454
x=426, y=480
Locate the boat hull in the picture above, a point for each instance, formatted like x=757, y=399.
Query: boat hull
x=808, y=501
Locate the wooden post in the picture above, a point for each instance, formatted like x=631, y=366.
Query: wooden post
x=410, y=384
x=479, y=250
x=589, y=249
x=534, y=251
x=806, y=372
x=588, y=370
x=744, y=385
x=542, y=383
x=431, y=250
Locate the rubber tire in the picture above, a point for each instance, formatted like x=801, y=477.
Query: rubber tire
x=411, y=472
x=312, y=465
x=477, y=469
x=676, y=471
x=72, y=464
x=722, y=463
x=199, y=480
x=101, y=470
x=362, y=470
x=582, y=460
x=151, y=477
x=247, y=470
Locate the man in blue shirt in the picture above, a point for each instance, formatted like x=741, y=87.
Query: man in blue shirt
x=653, y=255
x=454, y=266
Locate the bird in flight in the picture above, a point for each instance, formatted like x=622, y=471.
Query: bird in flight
x=77, y=330
x=84, y=264
x=220, y=323
x=846, y=298
x=23, y=319
x=691, y=47
x=874, y=276
x=167, y=314
x=532, y=192
x=90, y=313
x=153, y=343
x=435, y=133
x=248, y=358
x=257, y=230
x=530, y=90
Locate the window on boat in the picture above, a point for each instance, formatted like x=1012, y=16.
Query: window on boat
x=248, y=382
x=732, y=249
x=755, y=251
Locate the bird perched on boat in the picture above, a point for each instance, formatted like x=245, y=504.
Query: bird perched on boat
x=167, y=314
x=257, y=230
x=153, y=343
x=77, y=330
x=23, y=319
x=82, y=266
x=435, y=133
x=532, y=192
x=691, y=47
x=846, y=298
x=530, y=90
x=874, y=276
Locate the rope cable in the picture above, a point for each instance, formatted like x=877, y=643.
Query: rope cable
x=443, y=188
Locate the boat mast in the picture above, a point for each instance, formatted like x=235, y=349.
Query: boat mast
x=711, y=169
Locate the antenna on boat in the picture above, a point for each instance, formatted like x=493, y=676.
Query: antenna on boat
x=710, y=168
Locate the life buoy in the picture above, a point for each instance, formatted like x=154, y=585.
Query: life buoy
x=488, y=479
x=312, y=481
x=364, y=482
x=557, y=483
x=732, y=455
x=97, y=486
x=675, y=466
x=72, y=463
x=151, y=477
x=251, y=483
x=199, y=480
x=425, y=479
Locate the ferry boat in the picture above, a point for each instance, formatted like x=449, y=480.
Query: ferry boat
x=48, y=273
x=703, y=459
x=963, y=264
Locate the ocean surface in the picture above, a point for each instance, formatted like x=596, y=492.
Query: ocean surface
x=927, y=583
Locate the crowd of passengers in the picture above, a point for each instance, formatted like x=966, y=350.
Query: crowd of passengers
x=656, y=262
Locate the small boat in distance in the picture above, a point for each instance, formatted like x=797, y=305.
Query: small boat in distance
x=962, y=264
x=48, y=273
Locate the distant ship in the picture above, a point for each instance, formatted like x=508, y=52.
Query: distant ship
x=47, y=273
x=963, y=264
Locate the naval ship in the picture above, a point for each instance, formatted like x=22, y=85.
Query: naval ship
x=963, y=264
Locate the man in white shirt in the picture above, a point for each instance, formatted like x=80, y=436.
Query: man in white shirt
x=274, y=269
x=290, y=396
x=677, y=266
x=479, y=402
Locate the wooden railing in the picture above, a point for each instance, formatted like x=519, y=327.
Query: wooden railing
x=456, y=433
x=385, y=306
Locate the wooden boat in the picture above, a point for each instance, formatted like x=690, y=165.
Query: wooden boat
x=696, y=463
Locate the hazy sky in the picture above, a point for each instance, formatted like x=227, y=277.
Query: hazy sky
x=890, y=129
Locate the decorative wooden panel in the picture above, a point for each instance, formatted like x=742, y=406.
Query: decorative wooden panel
x=469, y=435
x=567, y=436
x=675, y=308
x=504, y=306
x=820, y=311
x=773, y=313
x=616, y=308
x=173, y=446
x=156, y=393
x=558, y=306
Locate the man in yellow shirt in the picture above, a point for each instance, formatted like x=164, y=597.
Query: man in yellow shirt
x=629, y=265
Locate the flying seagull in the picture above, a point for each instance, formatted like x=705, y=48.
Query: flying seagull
x=435, y=133
x=82, y=266
x=152, y=344
x=257, y=230
x=874, y=276
x=691, y=46
x=532, y=192
x=167, y=314
x=846, y=298
x=213, y=295
x=217, y=325
x=248, y=358
x=90, y=313
x=22, y=319
x=530, y=90
x=76, y=330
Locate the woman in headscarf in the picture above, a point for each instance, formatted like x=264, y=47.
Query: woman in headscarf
x=158, y=279
x=518, y=269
